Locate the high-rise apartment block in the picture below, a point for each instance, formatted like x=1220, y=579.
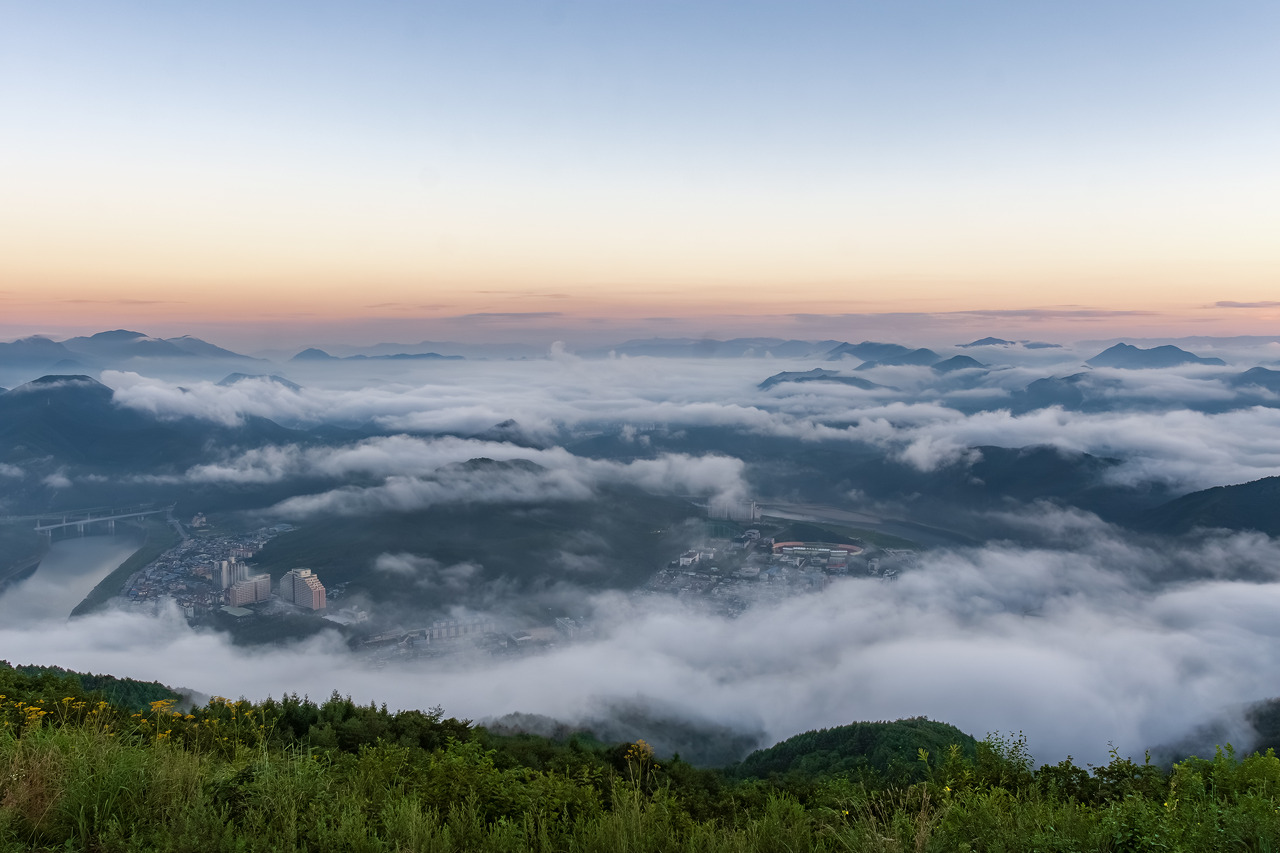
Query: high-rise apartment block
x=229, y=572
x=303, y=588
x=249, y=591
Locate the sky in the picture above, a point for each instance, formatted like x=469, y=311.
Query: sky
x=597, y=170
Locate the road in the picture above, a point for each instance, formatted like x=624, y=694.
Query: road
x=177, y=525
x=926, y=535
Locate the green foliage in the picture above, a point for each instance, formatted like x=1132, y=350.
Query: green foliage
x=78, y=772
x=867, y=750
x=126, y=692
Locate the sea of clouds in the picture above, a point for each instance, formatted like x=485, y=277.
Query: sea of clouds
x=1077, y=632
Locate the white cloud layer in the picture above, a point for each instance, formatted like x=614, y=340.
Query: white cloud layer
x=1074, y=643
x=1177, y=426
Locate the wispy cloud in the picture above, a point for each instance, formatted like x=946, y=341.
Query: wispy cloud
x=510, y=315
x=123, y=301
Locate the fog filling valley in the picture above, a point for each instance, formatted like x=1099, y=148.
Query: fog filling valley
x=1045, y=600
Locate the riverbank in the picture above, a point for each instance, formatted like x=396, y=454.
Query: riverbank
x=21, y=550
x=160, y=537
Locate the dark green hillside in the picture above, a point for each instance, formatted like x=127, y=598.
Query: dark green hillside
x=1248, y=506
x=74, y=420
x=891, y=750
x=786, y=469
x=126, y=692
x=616, y=540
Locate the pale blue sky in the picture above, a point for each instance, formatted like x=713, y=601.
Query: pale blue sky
x=445, y=148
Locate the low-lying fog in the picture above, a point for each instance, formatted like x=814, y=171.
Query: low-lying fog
x=1076, y=643
x=1074, y=630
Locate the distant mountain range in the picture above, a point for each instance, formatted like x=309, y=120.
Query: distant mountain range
x=106, y=349
x=123, y=346
x=709, y=348
x=314, y=354
x=71, y=422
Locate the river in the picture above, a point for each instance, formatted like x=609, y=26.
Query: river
x=65, y=576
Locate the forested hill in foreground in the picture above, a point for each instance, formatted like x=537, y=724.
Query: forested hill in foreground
x=79, y=772
x=124, y=692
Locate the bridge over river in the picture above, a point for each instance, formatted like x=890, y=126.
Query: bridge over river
x=82, y=519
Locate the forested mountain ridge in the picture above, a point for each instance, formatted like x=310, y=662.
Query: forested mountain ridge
x=1246, y=506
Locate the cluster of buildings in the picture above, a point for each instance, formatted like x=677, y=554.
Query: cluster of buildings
x=300, y=587
x=444, y=636
x=212, y=572
x=750, y=568
x=479, y=635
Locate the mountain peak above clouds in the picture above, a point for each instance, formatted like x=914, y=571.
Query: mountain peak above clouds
x=1134, y=358
x=122, y=343
x=313, y=354
x=958, y=362
x=60, y=380
x=922, y=357
x=35, y=351
x=1260, y=377
x=819, y=375
x=867, y=351
x=989, y=342
x=235, y=378
x=117, y=335
x=204, y=349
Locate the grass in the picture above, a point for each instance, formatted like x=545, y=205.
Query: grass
x=80, y=774
x=160, y=537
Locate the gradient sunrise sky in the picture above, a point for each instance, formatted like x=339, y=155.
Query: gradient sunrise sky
x=514, y=169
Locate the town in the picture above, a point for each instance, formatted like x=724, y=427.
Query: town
x=210, y=577
x=752, y=569
x=210, y=573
